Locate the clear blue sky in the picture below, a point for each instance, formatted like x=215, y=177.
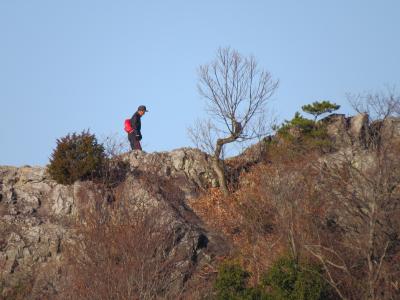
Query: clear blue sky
x=69, y=65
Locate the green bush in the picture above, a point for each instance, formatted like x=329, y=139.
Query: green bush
x=231, y=283
x=288, y=280
x=76, y=157
x=285, y=280
x=306, y=133
x=303, y=125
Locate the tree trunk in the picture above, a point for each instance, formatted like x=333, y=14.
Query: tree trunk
x=218, y=169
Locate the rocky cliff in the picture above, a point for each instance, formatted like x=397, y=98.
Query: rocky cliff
x=38, y=216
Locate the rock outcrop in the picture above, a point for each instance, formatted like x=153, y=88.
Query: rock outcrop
x=359, y=132
x=37, y=215
x=348, y=131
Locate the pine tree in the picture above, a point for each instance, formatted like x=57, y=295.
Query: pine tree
x=319, y=108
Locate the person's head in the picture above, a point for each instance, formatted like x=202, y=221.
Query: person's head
x=142, y=109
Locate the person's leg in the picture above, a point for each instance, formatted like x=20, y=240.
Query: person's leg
x=137, y=145
x=131, y=140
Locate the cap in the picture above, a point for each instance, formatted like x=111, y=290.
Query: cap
x=142, y=107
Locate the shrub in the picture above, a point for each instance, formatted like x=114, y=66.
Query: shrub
x=76, y=157
x=231, y=283
x=289, y=280
x=309, y=133
x=304, y=132
x=19, y=288
x=303, y=125
x=123, y=252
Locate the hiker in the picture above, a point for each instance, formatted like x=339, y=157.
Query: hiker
x=134, y=136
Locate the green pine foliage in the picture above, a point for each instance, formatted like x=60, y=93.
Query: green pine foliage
x=289, y=280
x=302, y=125
x=231, y=281
x=319, y=108
x=231, y=284
x=285, y=280
x=305, y=133
x=76, y=157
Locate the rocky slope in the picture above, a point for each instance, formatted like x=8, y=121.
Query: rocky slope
x=37, y=215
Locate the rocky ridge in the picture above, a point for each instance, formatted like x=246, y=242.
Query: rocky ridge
x=36, y=214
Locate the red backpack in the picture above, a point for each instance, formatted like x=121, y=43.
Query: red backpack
x=128, y=126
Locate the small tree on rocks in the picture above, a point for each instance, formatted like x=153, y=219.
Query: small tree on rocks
x=319, y=108
x=76, y=157
x=236, y=92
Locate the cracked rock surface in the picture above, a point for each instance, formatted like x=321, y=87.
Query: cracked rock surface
x=37, y=215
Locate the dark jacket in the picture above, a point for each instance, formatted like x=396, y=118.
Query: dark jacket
x=136, y=124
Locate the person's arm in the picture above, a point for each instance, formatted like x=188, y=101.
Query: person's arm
x=134, y=124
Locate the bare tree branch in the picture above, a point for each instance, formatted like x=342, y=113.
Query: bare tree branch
x=236, y=93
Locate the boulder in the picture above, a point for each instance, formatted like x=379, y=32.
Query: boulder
x=359, y=129
x=348, y=131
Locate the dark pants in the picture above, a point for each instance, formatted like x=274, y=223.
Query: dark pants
x=135, y=143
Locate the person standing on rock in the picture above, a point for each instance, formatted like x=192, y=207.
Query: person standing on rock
x=135, y=135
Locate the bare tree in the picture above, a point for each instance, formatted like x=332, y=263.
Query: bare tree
x=379, y=105
x=114, y=145
x=382, y=108
x=115, y=167
x=236, y=91
x=363, y=195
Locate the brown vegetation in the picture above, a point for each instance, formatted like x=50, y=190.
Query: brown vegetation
x=268, y=214
x=340, y=210
x=121, y=255
x=359, y=247
x=326, y=212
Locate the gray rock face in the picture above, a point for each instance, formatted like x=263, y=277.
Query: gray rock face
x=37, y=214
x=29, y=236
x=358, y=131
x=391, y=129
x=347, y=131
x=192, y=164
